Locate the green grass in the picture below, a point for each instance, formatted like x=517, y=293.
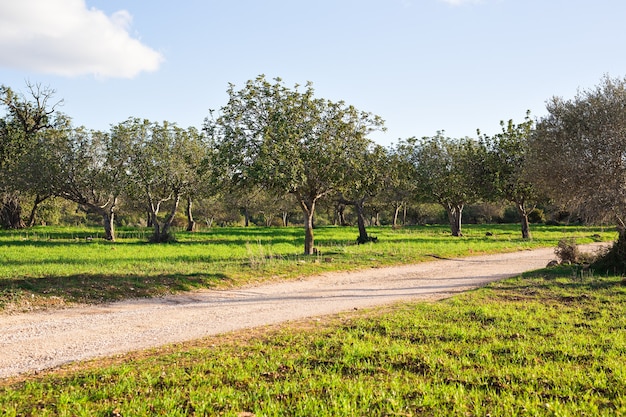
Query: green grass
x=46, y=267
x=544, y=344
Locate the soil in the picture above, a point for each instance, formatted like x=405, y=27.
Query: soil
x=36, y=341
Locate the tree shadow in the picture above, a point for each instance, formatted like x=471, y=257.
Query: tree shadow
x=100, y=288
x=563, y=285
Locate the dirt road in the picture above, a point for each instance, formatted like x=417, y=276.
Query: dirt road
x=32, y=342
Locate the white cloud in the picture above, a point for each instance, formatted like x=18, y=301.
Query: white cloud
x=66, y=38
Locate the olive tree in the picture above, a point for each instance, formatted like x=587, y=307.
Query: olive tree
x=443, y=170
x=88, y=168
x=400, y=186
x=162, y=167
x=505, y=169
x=367, y=174
x=579, y=152
x=25, y=117
x=289, y=141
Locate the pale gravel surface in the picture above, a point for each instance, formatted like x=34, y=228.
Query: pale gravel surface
x=31, y=342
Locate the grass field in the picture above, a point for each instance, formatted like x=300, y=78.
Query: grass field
x=537, y=345
x=47, y=267
x=550, y=343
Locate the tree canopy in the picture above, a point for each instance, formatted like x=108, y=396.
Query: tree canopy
x=444, y=172
x=579, y=152
x=505, y=168
x=288, y=140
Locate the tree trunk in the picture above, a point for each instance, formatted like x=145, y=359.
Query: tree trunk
x=523, y=214
x=309, y=240
x=285, y=217
x=108, y=217
x=308, y=209
x=396, y=213
x=455, y=212
x=33, y=213
x=191, y=223
x=109, y=227
x=341, y=214
x=11, y=212
x=363, y=237
x=246, y=217
x=162, y=233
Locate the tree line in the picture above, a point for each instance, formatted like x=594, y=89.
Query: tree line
x=281, y=141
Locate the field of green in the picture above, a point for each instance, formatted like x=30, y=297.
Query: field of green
x=549, y=343
x=47, y=267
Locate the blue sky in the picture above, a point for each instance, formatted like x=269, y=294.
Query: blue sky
x=422, y=65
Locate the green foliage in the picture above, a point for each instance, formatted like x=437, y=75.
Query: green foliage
x=578, y=152
x=542, y=345
x=444, y=171
x=613, y=260
x=288, y=141
x=536, y=216
x=503, y=169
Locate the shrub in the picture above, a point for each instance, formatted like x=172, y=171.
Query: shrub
x=567, y=251
x=536, y=216
x=613, y=260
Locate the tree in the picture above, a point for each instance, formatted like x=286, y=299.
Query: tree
x=197, y=156
x=287, y=140
x=505, y=168
x=24, y=119
x=579, y=153
x=443, y=170
x=400, y=187
x=162, y=167
x=86, y=167
x=367, y=173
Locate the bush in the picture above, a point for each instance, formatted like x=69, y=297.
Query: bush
x=536, y=216
x=567, y=251
x=613, y=260
x=510, y=215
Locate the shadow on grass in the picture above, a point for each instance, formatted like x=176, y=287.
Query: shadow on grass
x=564, y=284
x=89, y=288
x=208, y=241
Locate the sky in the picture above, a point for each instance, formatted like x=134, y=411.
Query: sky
x=422, y=65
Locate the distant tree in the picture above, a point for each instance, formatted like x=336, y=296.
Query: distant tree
x=443, y=171
x=244, y=200
x=505, y=169
x=289, y=141
x=161, y=169
x=367, y=171
x=198, y=156
x=579, y=154
x=272, y=205
x=400, y=185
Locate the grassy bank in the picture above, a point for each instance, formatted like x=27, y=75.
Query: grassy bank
x=544, y=344
x=48, y=267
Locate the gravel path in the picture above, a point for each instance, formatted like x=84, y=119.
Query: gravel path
x=31, y=342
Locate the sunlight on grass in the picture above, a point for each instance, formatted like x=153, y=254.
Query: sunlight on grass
x=542, y=344
x=70, y=263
